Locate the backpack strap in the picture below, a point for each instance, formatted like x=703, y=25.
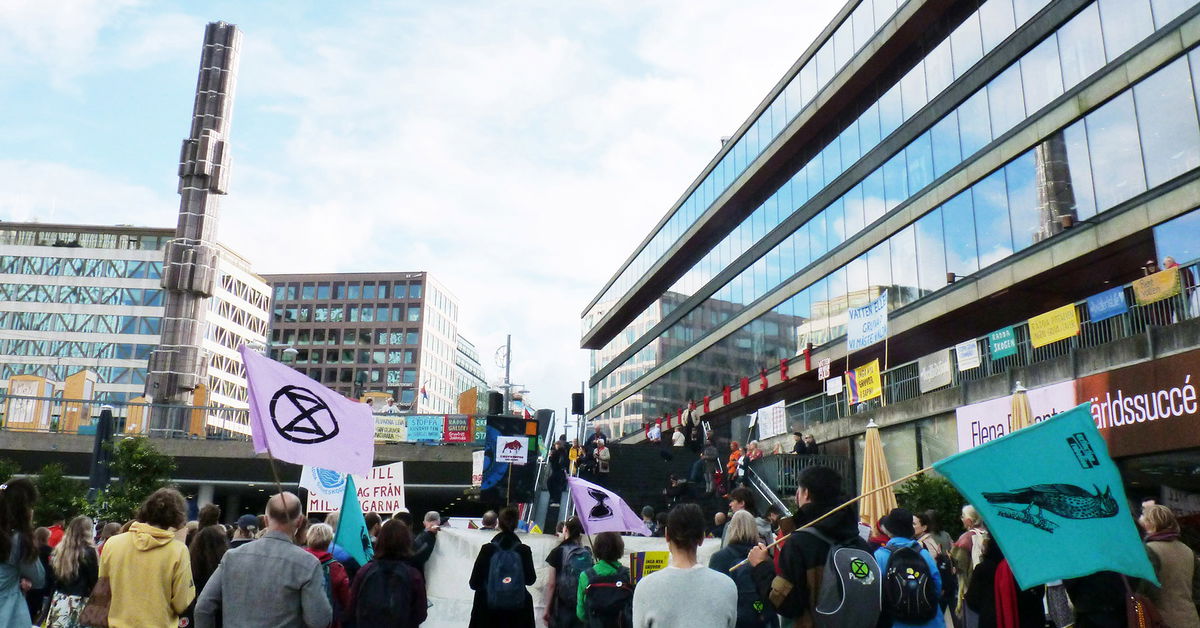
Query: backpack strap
x=820, y=535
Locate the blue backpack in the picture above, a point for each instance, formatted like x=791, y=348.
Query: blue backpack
x=333, y=603
x=506, y=579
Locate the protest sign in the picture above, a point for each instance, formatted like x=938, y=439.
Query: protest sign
x=934, y=371
x=967, y=354
x=642, y=564
x=513, y=449
x=1107, y=304
x=1156, y=287
x=1002, y=343
x=424, y=427
x=868, y=324
x=1057, y=324
x=381, y=491
x=391, y=428
x=458, y=428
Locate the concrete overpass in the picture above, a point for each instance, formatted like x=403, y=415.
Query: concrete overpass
x=228, y=472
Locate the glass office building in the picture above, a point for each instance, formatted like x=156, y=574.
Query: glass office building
x=982, y=162
x=75, y=297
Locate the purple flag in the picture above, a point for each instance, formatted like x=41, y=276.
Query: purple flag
x=601, y=510
x=301, y=421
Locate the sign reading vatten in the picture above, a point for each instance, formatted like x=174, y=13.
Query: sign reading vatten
x=868, y=324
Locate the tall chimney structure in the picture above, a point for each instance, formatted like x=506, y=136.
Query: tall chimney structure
x=177, y=365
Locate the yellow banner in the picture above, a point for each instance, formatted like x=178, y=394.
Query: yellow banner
x=1161, y=285
x=390, y=428
x=870, y=385
x=1057, y=324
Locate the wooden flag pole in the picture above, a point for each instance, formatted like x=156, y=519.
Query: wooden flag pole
x=849, y=503
x=274, y=472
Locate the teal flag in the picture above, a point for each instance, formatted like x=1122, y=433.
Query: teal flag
x=1053, y=499
x=352, y=534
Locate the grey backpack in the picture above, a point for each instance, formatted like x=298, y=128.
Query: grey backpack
x=851, y=590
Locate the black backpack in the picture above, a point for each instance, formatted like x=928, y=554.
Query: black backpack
x=609, y=599
x=384, y=596
x=752, y=609
x=576, y=559
x=909, y=592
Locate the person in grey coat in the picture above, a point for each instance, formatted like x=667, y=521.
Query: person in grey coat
x=271, y=583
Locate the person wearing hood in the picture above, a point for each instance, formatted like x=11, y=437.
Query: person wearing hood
x=742, y=536
x=816, y=495
x=148, y=567
x=898, y=526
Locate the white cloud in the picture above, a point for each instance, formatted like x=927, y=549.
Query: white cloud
x=518, y=151
x=56, y=193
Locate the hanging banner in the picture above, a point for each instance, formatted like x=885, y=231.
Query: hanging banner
x=771, y=420
x=642, y=564
x=1057, y=324
x=458, y=428
x=382, y=491
x=981, y=422
x=865, y=382
x=935, y=371
x=1002, y=343
x=868, y=324
x=478, y=429
x=967, y=354
x=477, y=468
x=1161, y=285
x=424, y=427
x=1107, y=304
x=391, y=428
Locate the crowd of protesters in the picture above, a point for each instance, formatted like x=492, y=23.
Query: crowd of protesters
x=280, y=569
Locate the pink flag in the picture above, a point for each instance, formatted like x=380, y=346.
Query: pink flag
x=301, y=421
x=601, y=510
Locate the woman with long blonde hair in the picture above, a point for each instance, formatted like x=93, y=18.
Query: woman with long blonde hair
x=76, y=567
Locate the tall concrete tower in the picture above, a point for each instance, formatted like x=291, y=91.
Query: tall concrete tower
x=177, y=366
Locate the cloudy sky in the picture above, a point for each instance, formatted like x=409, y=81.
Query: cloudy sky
x=518, y=150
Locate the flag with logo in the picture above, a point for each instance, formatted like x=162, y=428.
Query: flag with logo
x=1053, y=499
x=601, y=510
x=352, y=534
x=298, y=420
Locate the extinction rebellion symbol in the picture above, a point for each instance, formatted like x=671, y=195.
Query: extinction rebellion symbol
x=300, y=416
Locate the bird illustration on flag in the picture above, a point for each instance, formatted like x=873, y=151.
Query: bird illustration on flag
x=1065, y=500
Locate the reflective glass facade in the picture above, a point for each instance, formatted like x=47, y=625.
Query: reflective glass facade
x=1138, y=140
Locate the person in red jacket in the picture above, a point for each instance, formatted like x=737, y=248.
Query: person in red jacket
x=319, y=537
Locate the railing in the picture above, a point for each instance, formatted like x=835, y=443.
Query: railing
x=902, y=382
x=25, y=413
x=782, y=471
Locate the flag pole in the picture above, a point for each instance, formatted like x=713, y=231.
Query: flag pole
x=849, y=503
x=274, y=472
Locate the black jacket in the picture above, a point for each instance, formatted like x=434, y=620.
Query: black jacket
x=481, y=615
x=422, y=549
x=981, y=594
x=803, y=551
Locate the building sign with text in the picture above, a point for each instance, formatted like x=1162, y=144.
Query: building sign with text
x=988, y=420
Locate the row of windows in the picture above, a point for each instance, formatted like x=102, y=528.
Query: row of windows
x=82, y=239
x=344, y=378
x=80, y=294
x=70, y=349
x=58, y=372
x=345, y=337
x=77, y=267
x=1059, y=62
x=89, y=323
x=351, y=356
x=1143, y=137
x=322, y=291
x=983, y=31
x=353, y=313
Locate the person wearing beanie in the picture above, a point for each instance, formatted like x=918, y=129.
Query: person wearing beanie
x=898, y=525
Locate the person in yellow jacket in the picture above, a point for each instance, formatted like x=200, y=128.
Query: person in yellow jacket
x=148, y=567
x=574, y=455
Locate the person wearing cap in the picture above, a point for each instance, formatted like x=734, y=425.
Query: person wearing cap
x=898, y=524
x=247, y=528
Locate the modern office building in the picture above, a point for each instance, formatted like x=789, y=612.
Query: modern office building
x=984, y=162
x=469, y=378
x=75, y=297
x=371, y=332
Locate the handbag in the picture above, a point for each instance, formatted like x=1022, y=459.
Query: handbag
x=1140, y=612
x=95, y=613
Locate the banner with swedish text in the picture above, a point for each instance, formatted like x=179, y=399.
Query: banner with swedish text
x=1051, y=490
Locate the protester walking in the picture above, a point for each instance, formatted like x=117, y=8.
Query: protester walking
x=685, y=594
x=565, y=563
x=968, y=552
x=604, y=594
x=912, y=586
x=741, y=536
x=76, y=568
x=1174, y=564
x=502, y=570
x=270, y=583
x=817, y=494
x=994, y=598
x=388, y=591
x=336, y=582
x=206, y=550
